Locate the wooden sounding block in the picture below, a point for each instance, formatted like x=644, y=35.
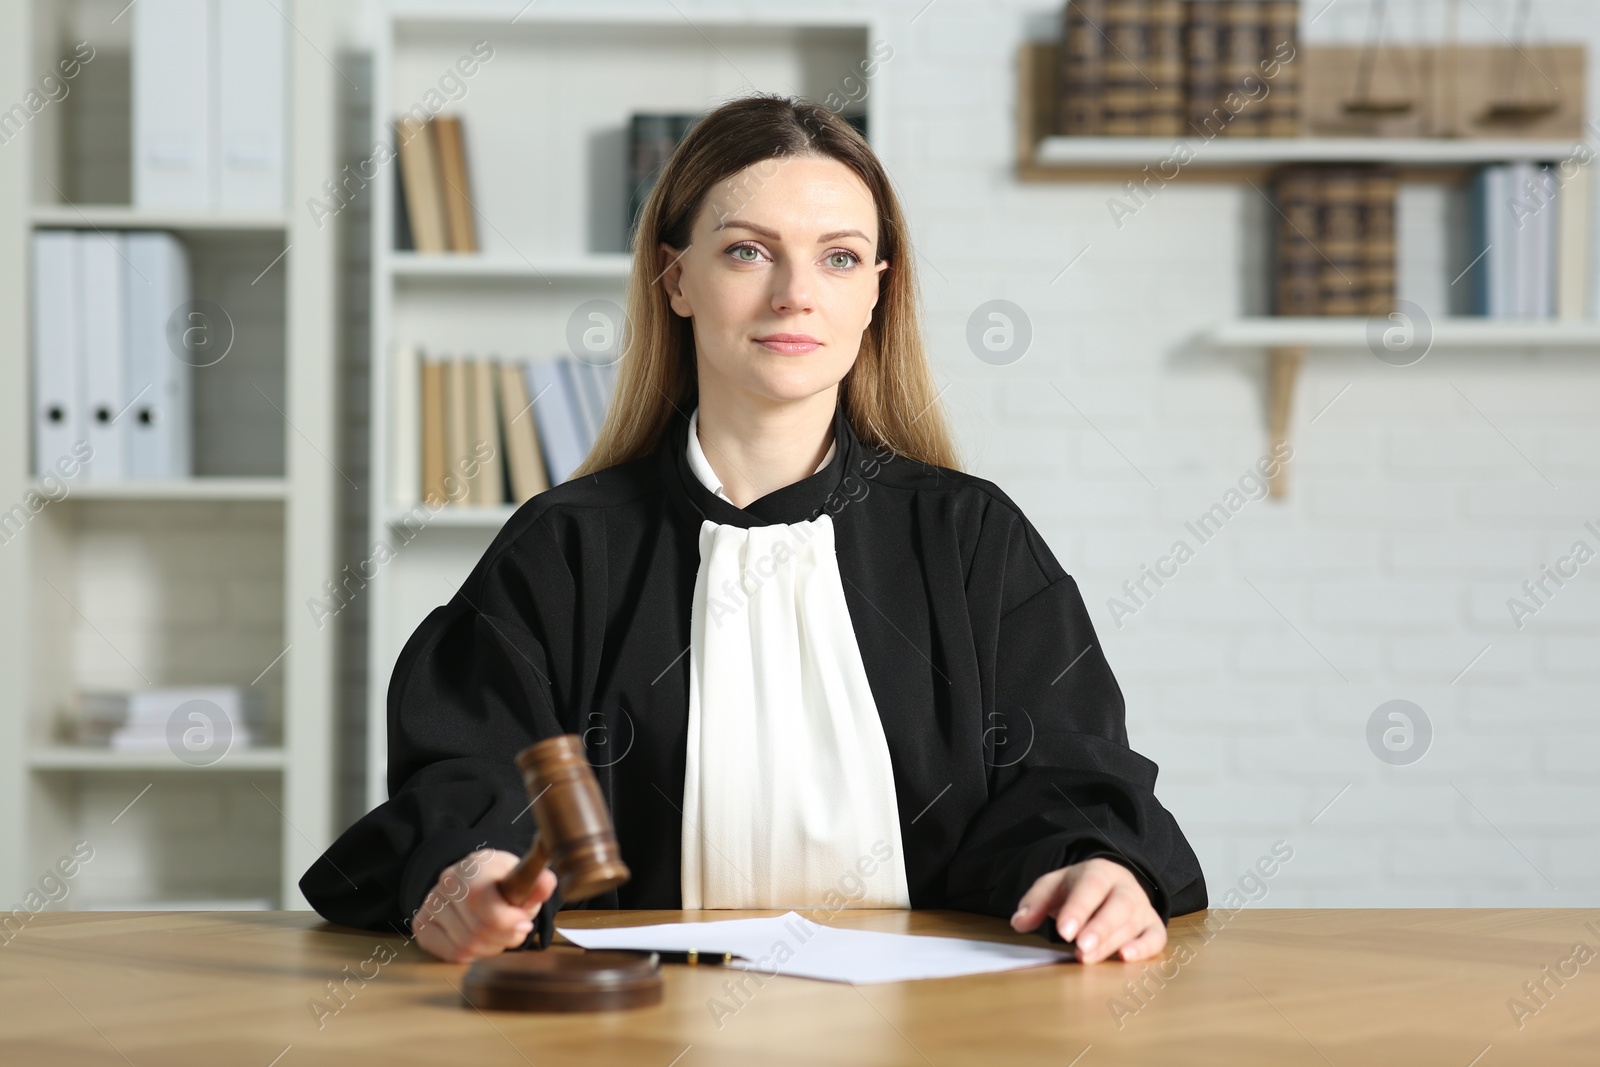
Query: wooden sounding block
x=564, y=979
x=575, y=838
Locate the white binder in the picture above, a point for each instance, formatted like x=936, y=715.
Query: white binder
x=172, y=101
x=158, y=425
x=100, y=276
x=251, y=100
x=58, y=410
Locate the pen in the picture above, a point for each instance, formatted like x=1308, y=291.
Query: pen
x=695, y=958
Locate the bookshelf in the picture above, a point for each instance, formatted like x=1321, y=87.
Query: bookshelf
x=1455, y=334
x=118, y=217
x=1044, y=156
x=196, y=581
x=545, y=123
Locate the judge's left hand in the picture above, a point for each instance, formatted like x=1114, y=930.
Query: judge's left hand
x=1104, y=900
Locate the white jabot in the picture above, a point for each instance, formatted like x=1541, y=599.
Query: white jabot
x=788, y=797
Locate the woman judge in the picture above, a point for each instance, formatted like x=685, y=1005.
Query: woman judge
x=815, y=665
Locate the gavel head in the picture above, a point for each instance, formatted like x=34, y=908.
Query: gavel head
x=573, y=821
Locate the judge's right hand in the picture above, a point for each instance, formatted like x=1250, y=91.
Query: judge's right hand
x=465, y=918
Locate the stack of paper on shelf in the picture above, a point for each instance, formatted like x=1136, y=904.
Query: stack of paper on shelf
x=143, y=719
x=107, y=371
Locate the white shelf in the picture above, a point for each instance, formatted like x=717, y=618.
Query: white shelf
x=1314, y=332
x=475, y=517
x=1272, y=151
x=443, y=266
x=85, y=758
x=123, y=217
x=196, y=489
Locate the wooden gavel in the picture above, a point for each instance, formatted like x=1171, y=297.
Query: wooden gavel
x=575, y=838
x=573, y=833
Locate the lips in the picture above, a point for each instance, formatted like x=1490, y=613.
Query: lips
x=789, y=342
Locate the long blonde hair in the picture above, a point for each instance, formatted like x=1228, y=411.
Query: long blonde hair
x=888, y=395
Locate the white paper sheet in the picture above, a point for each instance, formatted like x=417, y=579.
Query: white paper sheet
x=792, y=945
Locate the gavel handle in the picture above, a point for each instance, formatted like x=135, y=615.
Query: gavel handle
x=517, y=889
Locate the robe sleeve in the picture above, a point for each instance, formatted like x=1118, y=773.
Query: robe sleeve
x=1063, y=784
x=479, y=680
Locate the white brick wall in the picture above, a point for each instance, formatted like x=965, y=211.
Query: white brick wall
x=1410, y=518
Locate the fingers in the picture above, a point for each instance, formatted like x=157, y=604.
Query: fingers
x=1040, y=900
x=1147, y=944
x=458, y=935
x=1090, y=890
x=1099, y=906
x=465, y=917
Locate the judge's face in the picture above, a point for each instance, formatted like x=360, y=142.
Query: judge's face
x=778, y=278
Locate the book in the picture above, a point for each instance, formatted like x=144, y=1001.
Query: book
x=1126, y=94
x=1543, y=297
x=405, y=436
x=433, y=433
x=524, y=458
x=1202, y=38
x=537, y=417
x=1335, y=249
x=576, y=387
x=1379, y=189
x=452, y=166
x=560, y=431
x=1573, y=242
x=1166, y=114
x=404, y=241
x=487, y=481
x=1282, y=38
x=1298, y=268
x=457, y=426
x=1339, y=237
x=1242, y=48
x=1080, y=76
x=419, y=171
x=1477, y=269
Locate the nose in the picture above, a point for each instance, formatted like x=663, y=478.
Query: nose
x=792, y=289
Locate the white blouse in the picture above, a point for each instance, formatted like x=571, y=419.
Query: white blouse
x=788, y=798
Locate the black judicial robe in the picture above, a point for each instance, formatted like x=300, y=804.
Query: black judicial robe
x=1004, y=723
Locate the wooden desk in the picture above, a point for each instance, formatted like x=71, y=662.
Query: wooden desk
x=1278, y=987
